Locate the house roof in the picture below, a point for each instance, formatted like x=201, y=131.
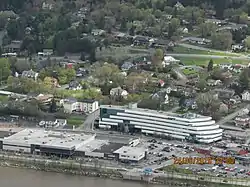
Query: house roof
x=74, y=84
x=14, y=44
x=29, y=73
x=88, y=100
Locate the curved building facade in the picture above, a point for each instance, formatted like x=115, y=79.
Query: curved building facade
x=181, y=126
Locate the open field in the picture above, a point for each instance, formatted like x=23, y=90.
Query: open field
x=204, y=61
x=184, y=50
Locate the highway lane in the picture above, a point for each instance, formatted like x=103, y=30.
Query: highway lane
x=209, y=56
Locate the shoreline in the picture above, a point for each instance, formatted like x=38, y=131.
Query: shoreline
x=72, y=168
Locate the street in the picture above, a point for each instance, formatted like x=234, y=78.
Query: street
x=89, y=122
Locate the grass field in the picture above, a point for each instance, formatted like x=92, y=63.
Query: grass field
x=76, y=121
x=184, y=50
x=204, y=61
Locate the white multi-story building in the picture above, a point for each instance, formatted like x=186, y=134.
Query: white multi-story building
x=181, y=126
x=87, y=106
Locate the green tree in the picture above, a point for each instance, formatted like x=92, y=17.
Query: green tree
x=4, y=69
x=106, y=73
x=247, y=42
x=245, y=78
x=210, y=65
x=207, y=103
x=206, y=29
x=222, y=40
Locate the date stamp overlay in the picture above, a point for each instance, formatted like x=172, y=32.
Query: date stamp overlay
x=204, y=160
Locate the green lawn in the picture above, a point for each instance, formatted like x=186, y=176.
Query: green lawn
x=204, y=61
x=184, y=50
x=76, y=121
x=189, y=71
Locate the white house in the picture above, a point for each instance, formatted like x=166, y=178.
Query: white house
x=246, y=96
x=72, y=105
x=168, y=60
x=30, y=74
x=118, y=92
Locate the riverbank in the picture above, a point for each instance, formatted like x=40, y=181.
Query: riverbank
x=74, y=168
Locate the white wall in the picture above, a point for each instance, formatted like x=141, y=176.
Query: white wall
x=94, y=154
x=135, y=157
x=17, y=149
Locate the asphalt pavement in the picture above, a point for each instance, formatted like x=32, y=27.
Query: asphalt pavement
x=89, y=122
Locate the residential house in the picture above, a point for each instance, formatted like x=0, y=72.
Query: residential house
x=179, y=6
x=237, y=47
x=223, y=108
x=216, y=21
x=75, y=85
x=242, y=121
x=224, y=94
x=162, y=96
x=170, y=89
x=169, y=60
x=47, y=6
x=119, y=92
x=158, y=43
x=225, y=65
x=189, y=104
x=44, y=98
x=233, y=27
x=140, y=40
x=168, y=16
x=72, y=105
x=201, y=41
x=246, y=95
x=98, y=32
x=30, y=74
x=161, y=83
x=13, y=47
x=211, y=82
x=126, y=66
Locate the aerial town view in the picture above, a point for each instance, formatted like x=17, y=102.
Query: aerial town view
x=129, y=93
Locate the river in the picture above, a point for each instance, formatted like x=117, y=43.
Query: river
x=14, y=177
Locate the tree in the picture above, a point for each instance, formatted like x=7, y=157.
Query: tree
x=202, y=85
x=157, y=58
x=48, y=83
x=207, y=103
x=4, y=69
x=210, y=65
x=206, y=29
x=173, y=26
x=106, y=73
x=222, y=40
x=136, y=81
x=245, y=78
x=53, y=106
x=247, y=42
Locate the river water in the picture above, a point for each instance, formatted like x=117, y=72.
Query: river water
x=13, y=177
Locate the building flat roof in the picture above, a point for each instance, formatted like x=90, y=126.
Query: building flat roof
x=186, y=115
x=44, y=138
x=127, y=150
x=109, y=148
x=92, y=146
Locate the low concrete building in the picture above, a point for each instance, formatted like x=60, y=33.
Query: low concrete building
x=131, y=154
x=72, y=105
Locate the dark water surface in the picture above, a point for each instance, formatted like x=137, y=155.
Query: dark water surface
x=14, y=177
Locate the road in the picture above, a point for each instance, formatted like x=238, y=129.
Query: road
x=89, y=122
x=231, y=116
x=174, y=109
x=203, y=48
x=209, y=56
x=179, y=74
